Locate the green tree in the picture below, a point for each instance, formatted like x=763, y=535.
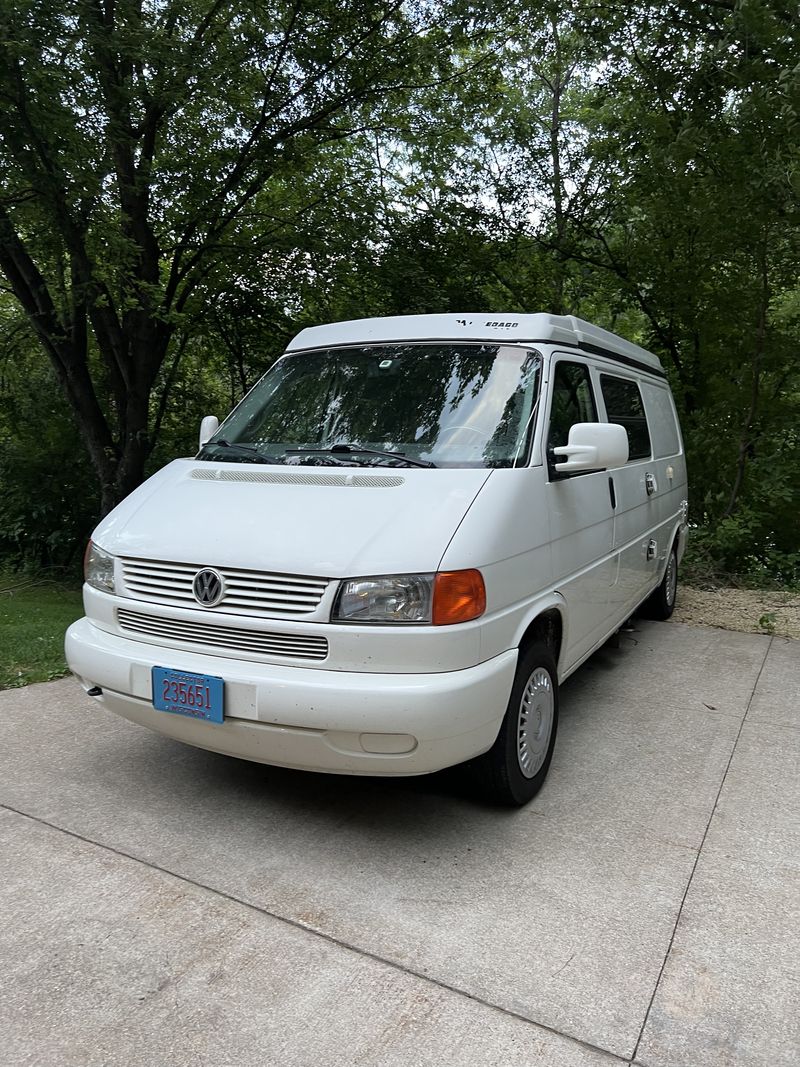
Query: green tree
x=660, y=142
x=699, y=124
x=136, y=139
x=48, y=502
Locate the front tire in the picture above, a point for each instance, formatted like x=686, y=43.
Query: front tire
x=514, y=769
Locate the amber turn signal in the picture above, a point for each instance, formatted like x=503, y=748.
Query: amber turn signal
x=458, y=596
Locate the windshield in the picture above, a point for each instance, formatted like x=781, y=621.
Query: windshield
x=443, y=405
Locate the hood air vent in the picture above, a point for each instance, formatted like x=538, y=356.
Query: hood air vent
x=348, y=481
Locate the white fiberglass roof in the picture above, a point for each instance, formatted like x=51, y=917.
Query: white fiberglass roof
x=474, y=326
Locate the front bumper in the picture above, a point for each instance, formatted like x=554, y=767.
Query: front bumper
x=307, y=718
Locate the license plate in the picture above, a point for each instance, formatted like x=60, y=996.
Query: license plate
x=200, y=696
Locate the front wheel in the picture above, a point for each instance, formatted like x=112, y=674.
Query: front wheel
x=514, y=769
x=661, y=603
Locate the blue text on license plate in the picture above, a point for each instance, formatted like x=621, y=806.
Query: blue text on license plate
x=200, y=696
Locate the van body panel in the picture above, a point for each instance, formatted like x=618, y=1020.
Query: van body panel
x=584, y=566
x=309, y=719
x=581, y=520
x=505, y=328
x=647, y=502
x=635, y=525
x=507, y=628
x=644, y=527
x=507, y=532
x=402, y=524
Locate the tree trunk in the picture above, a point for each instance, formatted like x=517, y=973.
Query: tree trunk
x=134, y=443
x=558, y=186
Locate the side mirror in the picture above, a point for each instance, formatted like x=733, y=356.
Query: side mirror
x=208, y=427
x=593, y=446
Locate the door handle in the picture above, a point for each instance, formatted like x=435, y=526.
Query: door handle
x=650, y=483
x=612, y=494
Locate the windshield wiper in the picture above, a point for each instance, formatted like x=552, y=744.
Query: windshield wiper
x=399, y=456
x=252, y=454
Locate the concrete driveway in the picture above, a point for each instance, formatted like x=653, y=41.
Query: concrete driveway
x=163, y=905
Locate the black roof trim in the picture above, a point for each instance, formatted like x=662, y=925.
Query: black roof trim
x=596, y=350
x=418, y=341
x=582, y=346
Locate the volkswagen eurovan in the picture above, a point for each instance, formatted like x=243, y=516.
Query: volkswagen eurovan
x=390, y=554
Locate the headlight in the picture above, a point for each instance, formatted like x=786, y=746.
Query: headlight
x=394, y=598
x=98, y=568
x=442, y=599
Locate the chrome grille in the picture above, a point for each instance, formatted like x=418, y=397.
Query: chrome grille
x=246, y=592
x=229, y=639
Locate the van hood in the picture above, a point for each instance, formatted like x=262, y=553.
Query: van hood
x=332, y=522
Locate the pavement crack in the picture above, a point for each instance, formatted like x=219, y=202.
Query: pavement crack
x=598, y=1050
x=699, y=853
x=564, y=966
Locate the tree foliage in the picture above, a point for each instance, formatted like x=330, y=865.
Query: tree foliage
x=137, y=138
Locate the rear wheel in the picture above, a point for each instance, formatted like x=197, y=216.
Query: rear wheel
x=514, y=769
x=661, y=603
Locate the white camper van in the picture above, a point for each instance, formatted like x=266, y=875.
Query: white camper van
x=391, y=553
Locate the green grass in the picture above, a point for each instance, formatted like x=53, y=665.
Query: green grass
x=34, y=613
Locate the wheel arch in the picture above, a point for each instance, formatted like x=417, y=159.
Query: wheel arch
x=678, y=543
x=546, y=623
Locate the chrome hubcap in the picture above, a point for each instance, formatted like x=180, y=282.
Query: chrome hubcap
x=671, y=584
x=535, y=722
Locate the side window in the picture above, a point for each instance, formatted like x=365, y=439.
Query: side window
x=573, y=401
x=661, y=420
x=624, y=405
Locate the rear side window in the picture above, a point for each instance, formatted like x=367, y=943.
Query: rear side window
x=573, y=401
x=624, y=406
x=661, y=420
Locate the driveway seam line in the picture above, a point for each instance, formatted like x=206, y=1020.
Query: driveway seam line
x=699, y=854
x=329, y=938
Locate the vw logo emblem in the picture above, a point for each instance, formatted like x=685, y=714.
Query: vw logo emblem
x=208, y=587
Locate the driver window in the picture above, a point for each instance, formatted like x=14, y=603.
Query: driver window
x=573, y=401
